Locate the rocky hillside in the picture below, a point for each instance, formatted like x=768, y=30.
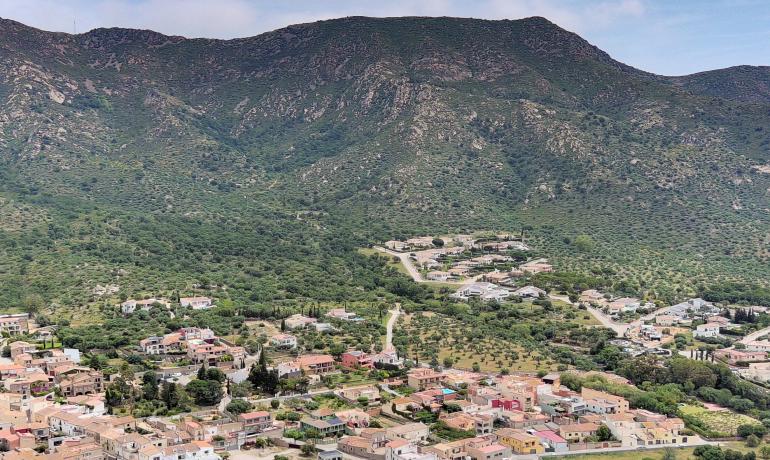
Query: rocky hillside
x=364, y=128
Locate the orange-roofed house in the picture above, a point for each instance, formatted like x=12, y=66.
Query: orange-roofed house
x=316, y=364
x=578, y=432
x=423, y=377
x=255, y=422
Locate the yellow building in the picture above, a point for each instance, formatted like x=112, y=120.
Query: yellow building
x=519, y=441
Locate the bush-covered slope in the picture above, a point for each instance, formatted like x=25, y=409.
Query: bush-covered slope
x=154, y=162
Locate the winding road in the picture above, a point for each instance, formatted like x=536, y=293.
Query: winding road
x=416, y=275
x=389, y=327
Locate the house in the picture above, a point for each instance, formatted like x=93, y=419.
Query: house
x=328, y=427
x=130, y=306
x=413, y=432
x=155, y=345
x=354, y=418
x=82, y=383
x=255, y=422
x=388, y=357
x=33, y=382
x=288, y=369
x=437, y=275
x=578, y=432
x=422, y=378
x=718, y=319
x=529, y=292
x=298, y=321
x=356, y=359
x=492, y=451
x=322, y=327
x=420, y=242
x=536, y=266
x=733, y=356
x=316, y=364
x=285, y=341
x=342, y=314
x=666, y=320
x=624, y=304
x=396, y=245
x=20, y=347
x=458, y=272
x=196, y=303
x=404, y=450
x=707, y=330
x=519, y=441
x=371, y=393
x=497, y=277
x=758, y=345
x=553, y=441
x=600, y=402
x=14, y=324
x=210, y=354
x=329, y=455
x=482, y=290
x=592, y=297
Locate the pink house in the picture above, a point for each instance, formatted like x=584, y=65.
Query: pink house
x=357, y=359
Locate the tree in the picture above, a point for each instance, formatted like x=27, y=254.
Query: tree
x=214, y=373
x=308, y=449
x=202, y=373
x=241, y=390
x=283, y=325
x=709, y=453
x=584, y=243
x=238, y=406
x=764, y=451
x=32, y=303
x=169, y=393
x=752, y=441
x=205, y=392
x=603, y=433
x=150, y=386
x=438, y=242
x=275, y=404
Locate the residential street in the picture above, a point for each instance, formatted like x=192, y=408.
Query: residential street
x=416, y=275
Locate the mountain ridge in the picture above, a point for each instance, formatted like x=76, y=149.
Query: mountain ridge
x=377, y=128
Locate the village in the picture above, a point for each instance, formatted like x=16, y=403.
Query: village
x=279, y=398
x=54, y=404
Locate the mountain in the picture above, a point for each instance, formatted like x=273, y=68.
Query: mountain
x=257, y=165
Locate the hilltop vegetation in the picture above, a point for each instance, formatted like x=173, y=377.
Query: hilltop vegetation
x=252, y=169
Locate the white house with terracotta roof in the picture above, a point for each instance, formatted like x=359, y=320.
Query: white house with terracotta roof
x=196, y=303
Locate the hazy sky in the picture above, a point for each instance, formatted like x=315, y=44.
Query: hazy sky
x=671, y=37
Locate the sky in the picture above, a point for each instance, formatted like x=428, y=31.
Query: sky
x=669, y=37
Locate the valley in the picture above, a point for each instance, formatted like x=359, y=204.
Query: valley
x=378, y=238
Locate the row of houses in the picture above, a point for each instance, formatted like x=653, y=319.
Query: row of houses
x=37, y=371
x=196, y=303
x=200, y=346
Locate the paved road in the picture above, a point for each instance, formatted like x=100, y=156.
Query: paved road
x=415, y=274
x=391, y=322
x=755, y=335
x=619, y=328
